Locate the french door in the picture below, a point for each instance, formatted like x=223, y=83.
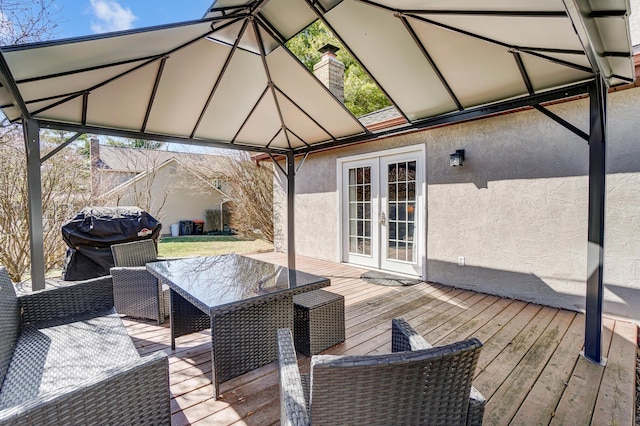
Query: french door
x=382, y=205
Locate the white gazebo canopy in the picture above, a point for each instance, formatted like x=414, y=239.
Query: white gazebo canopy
x=228, y=79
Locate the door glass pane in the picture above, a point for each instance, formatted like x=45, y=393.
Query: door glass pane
x=411, y=171
x=402, y=191
x=392, y=173
x=393, y=250
x=401, y=208
x=402, y=211
x=409, y=252
x=392, y=192
x=392, y=211
x=392, y=230
x=411, y=212
x=353, y=244
x=360, y=210
x=402, y=231
x=366, y=246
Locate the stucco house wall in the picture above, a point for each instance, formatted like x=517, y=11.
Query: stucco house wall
x=516, y=210
x=172, y=198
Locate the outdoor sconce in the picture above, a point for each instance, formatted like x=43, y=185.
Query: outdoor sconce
x=457, y=158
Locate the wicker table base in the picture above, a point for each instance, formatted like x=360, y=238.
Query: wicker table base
x=242, y=340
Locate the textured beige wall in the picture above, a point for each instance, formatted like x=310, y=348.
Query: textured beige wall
x=517, y=210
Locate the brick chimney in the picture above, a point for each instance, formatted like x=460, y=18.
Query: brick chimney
x=330, y=71
x=94, y=153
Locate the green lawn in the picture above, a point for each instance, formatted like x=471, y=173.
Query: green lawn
x=208, y=245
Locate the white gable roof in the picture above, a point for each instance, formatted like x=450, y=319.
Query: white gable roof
x=140, y=159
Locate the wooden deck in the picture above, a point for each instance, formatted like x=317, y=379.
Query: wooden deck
x=530, y=370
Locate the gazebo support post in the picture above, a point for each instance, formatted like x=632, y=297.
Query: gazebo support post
x=595, y=251
x=291, y=192
x=34, y=189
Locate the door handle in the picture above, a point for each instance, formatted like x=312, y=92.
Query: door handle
x=383, y=219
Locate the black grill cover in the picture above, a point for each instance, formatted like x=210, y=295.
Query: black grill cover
x=90, y=234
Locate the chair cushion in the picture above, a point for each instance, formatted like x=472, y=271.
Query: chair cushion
x=53, y=355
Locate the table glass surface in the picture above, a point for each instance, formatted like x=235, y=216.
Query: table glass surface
x=227, y=279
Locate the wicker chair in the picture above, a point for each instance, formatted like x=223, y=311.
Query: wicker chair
x=417, y=384
x=66, y=359
x=137, y=293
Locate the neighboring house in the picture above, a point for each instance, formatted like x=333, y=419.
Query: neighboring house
x=511, y=221
x=172, y=186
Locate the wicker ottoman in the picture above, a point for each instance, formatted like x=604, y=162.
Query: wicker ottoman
x=318, y=321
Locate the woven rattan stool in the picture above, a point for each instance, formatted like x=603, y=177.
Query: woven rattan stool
x=318, y=321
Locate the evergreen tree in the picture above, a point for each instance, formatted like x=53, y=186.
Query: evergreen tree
x=361, y=94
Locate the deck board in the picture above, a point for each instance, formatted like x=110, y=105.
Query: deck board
x=577, y=402
x=540, y=404
x=615, y=403
x=515, y=388
x=530, y=369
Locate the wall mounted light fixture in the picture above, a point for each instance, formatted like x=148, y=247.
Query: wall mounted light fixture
x=457, y=158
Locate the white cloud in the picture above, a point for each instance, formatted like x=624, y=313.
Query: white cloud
x=6, y=29
x=110, y=16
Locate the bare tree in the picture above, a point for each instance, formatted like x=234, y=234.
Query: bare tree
x=26, y=21
x=64, y=192
x=251, y=187
x=146, y=190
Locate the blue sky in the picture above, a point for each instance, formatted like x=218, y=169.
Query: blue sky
x=85, y=17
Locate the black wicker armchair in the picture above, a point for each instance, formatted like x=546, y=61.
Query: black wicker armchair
x=417, y=384
x=137, y=293
x=66, y=359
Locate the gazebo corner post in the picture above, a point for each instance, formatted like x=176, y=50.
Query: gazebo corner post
x=34, y=190
x=291, y=192
x=595, y=250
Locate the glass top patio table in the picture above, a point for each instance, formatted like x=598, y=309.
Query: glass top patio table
x=243, y=301
x=218, y=283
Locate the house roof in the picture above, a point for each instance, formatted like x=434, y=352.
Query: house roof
x=228, y=79
x=148, y=172
x=138, y=160
x=384, y=114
